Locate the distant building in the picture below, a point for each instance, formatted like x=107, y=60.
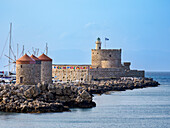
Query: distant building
x=33, y=70
x=46, y=68
x=25, y=70
x=106, y=64
x=37, y=69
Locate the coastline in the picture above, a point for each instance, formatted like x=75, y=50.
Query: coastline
x=44, y=98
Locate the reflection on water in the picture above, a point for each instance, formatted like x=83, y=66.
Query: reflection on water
x=139, y=108
x=6, y=116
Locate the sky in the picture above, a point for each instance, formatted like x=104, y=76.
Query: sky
x=141, y=28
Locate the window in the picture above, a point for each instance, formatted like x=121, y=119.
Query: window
x=21, y=79
x=110, y=56
x=21, y=66
x=99, y=47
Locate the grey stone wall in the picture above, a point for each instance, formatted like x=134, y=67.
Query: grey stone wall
x=103, y=58
x=38, y=73
x=73, y=75
x=27, y=72
x=102, y=73
x=134, y=73
x=66, y=74
x=46, y=71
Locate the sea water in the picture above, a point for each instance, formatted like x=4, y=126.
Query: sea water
x=138, y=108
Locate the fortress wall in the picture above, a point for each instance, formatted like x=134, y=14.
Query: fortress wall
x=106, y=64
x=134, y=73
x=111, y=58
x=114, y=73
x=96, y=58
x=70, y=72
x=102, y=73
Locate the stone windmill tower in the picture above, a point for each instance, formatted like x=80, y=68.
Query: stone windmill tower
x=25, y=70
x=37, y=69
x=46, y=69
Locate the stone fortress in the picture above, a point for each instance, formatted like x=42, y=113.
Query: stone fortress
x=31, y=70
x=106, y=64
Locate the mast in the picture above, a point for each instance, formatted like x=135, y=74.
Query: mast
x=23, y=50
x=46, y=49
x=10, y=46
x=17, y=50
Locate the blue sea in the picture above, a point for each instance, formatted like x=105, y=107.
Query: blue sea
x=138, y=108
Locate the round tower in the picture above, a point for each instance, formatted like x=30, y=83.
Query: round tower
x=98, y=43
x=46, y=68
x=37, y=69
x=25, y=70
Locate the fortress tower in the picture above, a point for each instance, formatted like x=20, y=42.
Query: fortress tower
x=98, y=43
x=105, y=58
x=25, y=70
x=46, y=68
x=37, y=69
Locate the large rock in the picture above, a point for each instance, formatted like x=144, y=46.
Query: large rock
x=43, y=98
x=59, y=90
x=33, y=91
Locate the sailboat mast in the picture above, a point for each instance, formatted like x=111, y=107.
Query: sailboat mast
x=17, y=50
x=10, y=45
x=46, y=49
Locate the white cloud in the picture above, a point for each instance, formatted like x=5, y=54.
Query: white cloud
x=89, y=24
x=62, y=35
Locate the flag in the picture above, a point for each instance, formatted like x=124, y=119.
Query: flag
x=68, y=67
x=106, y=38
x=64, y=67
x=58, y=67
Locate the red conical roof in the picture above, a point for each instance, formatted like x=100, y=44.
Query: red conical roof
x=44, y=57
x=25, y=60
x=34, y=57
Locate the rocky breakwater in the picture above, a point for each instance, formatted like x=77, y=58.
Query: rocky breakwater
x=43, y=98
x=122, y=84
